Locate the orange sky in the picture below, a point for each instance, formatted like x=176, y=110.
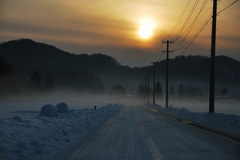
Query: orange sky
x=111, y=27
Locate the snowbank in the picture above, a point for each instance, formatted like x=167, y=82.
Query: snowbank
x=227, y=124
x=43, y=137
x=62, y=107
x=49, y=110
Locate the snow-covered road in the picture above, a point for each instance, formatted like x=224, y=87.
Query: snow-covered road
x=139, y=133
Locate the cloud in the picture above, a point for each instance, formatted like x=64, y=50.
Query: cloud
x=111, y=26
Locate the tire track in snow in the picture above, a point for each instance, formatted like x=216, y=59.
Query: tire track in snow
x=148, y=139
x=151, y=145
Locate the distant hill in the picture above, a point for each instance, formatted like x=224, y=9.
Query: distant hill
x=200, y=65
x=30, y=54
x=195, y=70
x=188, y=70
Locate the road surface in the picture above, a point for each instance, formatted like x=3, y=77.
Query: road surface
x=137, y=133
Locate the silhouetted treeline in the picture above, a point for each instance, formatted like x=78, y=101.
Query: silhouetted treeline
x=33, y=55
x=59, y=68
x=194, y=72
x=26, y=81
x=30, y=55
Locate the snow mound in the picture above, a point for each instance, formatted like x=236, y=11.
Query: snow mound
x=17, y=118
x=227, y=124
x=62, y=107
x=43, y=137
x=49, y=110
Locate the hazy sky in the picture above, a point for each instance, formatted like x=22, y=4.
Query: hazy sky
x=131, y=31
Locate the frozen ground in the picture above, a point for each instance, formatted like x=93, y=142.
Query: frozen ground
x=226, y=124
x=226, y=107
x=10, y=105
x=24, y=135
x=27, y=136
x=140, y=133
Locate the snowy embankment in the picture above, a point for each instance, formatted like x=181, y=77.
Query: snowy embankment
x=43, y=137
x=226, y=124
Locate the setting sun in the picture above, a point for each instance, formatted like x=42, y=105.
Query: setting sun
x=146, y=27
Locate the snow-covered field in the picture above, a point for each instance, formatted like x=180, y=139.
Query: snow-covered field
x=227, y=124
x=198, y=106
x=26, y=135
x=8, y=105
x=29, y=136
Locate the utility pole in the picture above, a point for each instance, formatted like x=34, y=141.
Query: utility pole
x=132, y=90
x=148, y=88
x=154, y=69
x=167, y=51
x=213, y=50
x=145, y=89
x=142, y=92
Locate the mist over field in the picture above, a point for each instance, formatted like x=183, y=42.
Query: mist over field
x=75, y=100
x=119, y=79
x=226, y=107
x=50, y=76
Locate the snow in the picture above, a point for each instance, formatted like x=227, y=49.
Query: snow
x=203, y=106
x=26, y=135
x=49, y=110
x=137, y=132
x=41, y=137
x=227, y=124
x=62, y=107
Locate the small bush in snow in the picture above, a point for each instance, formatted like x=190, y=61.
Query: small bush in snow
x=48, y=110
x=62, y=107
x=17, y=118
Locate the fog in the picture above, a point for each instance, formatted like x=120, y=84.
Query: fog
x=77, y=100
x=227, y=107
x=34, y=102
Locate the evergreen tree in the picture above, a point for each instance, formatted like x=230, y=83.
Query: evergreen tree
x=172, y=92
x=141, y=90
x=158, y=91
x=119, y=90
x=36, y=81
x=181, y=91
x=224, y=92
x=7, y=79
x=49, y=85
x=4, y=69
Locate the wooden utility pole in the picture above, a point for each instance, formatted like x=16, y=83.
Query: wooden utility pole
x=154, y=69
x=167, y=51
x=132, y=90
x=213, y=50
x=148, y=88
x=145, y=89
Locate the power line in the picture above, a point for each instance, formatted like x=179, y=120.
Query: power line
x=181, y=32
x=179, y=19
x=186, y=45
x=158, y=53
x=227, y=7
x=183, y=27
x=186, y=21
x=193, y=23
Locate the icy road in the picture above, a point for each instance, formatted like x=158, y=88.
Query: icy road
x=137, y=133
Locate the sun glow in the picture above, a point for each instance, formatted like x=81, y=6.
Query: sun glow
x=146, y=27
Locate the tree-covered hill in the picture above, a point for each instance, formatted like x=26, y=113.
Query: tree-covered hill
x=34, y=55
x=195, y=70
x=190, y=70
